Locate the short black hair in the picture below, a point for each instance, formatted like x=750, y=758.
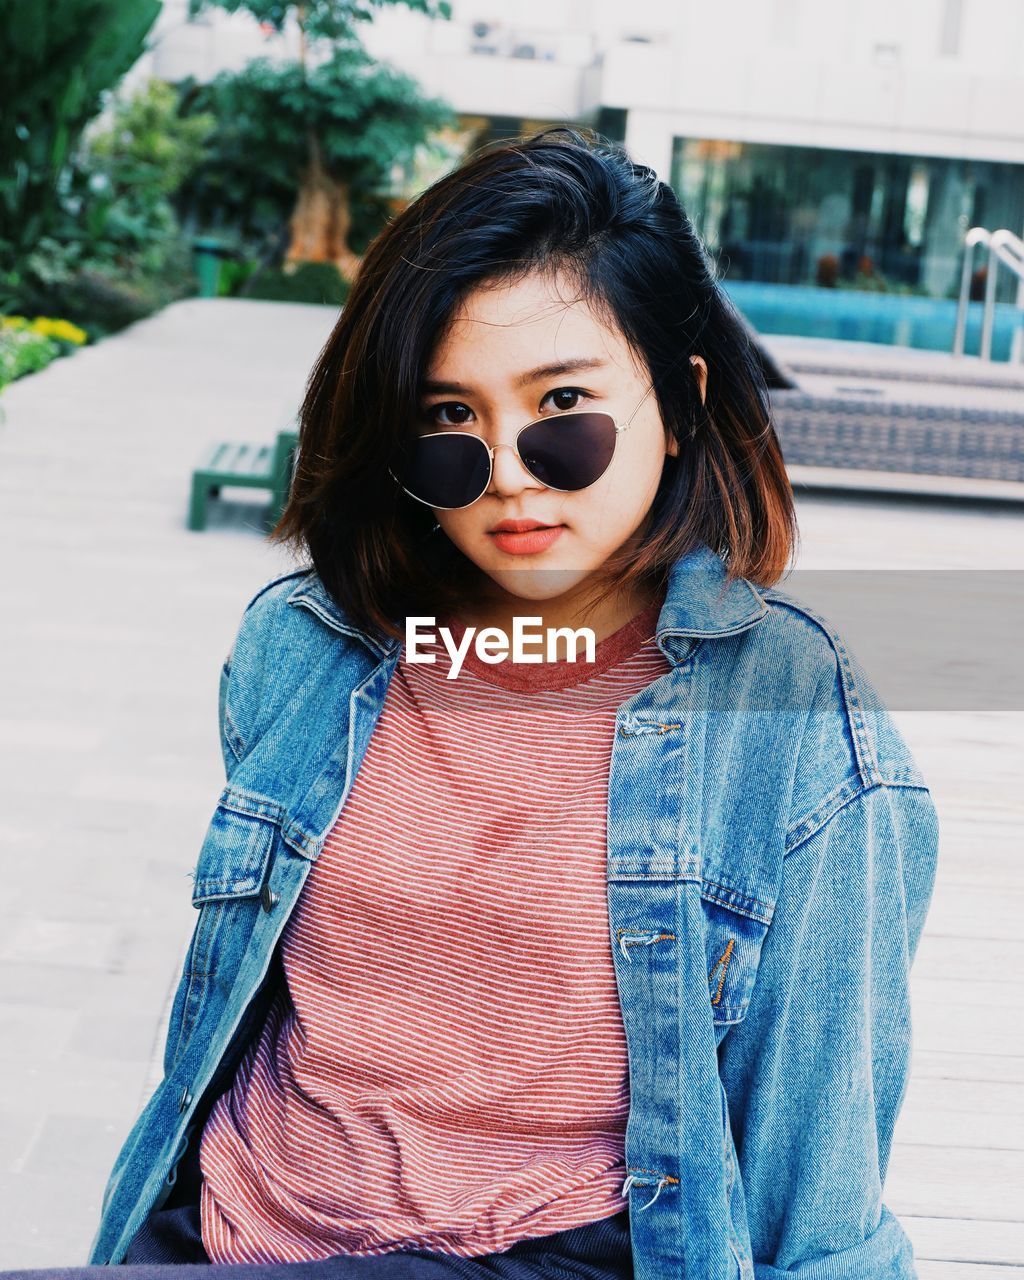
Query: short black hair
x=561, y=200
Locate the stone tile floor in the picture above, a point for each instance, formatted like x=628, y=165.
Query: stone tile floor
x=115, y=623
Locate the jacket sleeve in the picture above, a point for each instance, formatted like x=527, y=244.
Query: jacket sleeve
x=250, y=672
x=230, y=741
x=815, y=1074
x=242, y=678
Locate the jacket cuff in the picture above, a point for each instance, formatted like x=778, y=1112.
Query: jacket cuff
x=886, y=1254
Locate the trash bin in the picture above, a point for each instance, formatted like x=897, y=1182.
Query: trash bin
x=207, y=255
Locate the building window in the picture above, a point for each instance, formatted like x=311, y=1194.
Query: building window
x=796, y=215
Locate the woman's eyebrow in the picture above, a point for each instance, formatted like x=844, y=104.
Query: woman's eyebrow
x=579, y=364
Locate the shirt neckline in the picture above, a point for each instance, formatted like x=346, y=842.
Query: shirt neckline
x=561, y=674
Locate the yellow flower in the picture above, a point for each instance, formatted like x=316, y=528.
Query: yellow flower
x=63, y=330
x=13, y=322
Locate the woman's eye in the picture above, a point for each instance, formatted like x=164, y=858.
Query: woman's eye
x=433, y=413
x=574, y=393
x=452, y=413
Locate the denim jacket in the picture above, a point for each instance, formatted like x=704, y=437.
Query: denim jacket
x=771, y=856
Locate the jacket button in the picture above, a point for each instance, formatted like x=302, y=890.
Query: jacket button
x=185, y=1099
x=269, y=898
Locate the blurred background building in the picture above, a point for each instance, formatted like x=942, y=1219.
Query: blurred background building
x=854, y=169
x=811, y=144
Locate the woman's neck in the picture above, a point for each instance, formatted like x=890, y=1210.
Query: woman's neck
x=569, y=610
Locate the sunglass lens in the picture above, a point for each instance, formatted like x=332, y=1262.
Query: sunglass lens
x=569, y=451
x=447, y=470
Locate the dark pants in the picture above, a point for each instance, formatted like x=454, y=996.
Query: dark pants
x=598, y=1251
x=170, y=1238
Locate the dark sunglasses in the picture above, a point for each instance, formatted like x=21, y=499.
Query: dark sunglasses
x=567, y=451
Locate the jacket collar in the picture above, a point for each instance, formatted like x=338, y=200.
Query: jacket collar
x=699, y=603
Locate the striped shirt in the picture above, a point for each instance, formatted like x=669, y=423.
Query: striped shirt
x=445, y=1066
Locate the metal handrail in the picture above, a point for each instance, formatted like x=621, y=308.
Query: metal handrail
x=1008, y=249
x=1004, y=247
x=976, y=235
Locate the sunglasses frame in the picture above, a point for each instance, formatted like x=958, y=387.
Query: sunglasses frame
x=492, y=449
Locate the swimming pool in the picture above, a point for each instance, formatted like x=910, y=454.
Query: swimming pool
x=860, y=316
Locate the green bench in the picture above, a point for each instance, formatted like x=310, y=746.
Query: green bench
x=246, y=466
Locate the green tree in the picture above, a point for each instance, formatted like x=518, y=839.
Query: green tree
x=330, y=20
x=312, y=137
x=56, y=61
x=130, y=167
x=115, y=250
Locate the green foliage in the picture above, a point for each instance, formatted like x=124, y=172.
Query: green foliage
x=365, y=116
x=362, y=117
x=90, y=223
x=319, y=282
x=234, y=275
x=22, y=352
x=58, y=59
x=28, y=345
x=105, y=298
x=148, y=143
x=116, y=252
x=77, y=223
x=321, y=19
x=128, y=171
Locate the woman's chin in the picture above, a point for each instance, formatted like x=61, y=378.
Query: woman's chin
x=537, y=582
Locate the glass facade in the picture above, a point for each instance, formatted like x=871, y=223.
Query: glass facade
x=806, y=215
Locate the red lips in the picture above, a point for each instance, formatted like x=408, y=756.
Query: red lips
x=519, y=526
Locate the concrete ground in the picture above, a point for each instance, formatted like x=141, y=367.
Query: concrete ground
x=116, y=620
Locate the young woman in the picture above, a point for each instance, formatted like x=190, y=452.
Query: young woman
x=588, y=960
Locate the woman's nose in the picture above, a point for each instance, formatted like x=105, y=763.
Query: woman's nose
x=508, y=474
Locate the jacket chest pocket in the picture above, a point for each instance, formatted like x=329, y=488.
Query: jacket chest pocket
x=233, y=859
x=734, y=936
x=228, y=887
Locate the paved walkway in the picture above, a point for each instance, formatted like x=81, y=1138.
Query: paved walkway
x=115, y=625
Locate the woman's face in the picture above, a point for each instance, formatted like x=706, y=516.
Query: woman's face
x=487, y=377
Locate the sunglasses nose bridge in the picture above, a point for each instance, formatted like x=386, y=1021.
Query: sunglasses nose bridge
x=523, y=468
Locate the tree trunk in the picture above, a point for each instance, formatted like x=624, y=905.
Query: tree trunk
x=322, y=218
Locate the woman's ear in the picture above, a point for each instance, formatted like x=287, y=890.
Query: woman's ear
x=672, y=449
x=702, y=376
